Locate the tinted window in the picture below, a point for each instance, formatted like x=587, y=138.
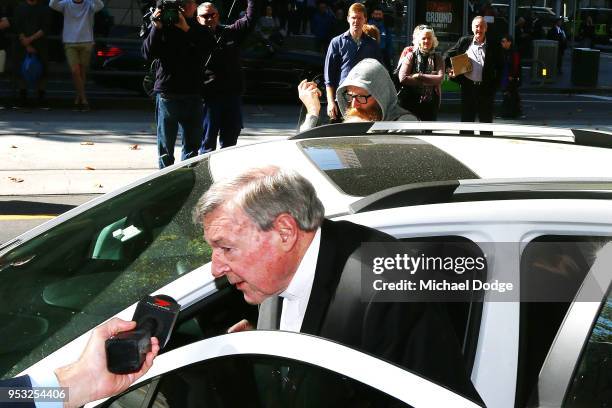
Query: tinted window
x=361, y=166
x=255, y=381
x=74, y=276
x=560, y=263
x=592, y=383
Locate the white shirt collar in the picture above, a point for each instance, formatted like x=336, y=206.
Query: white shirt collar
x=297, y=294
x=301, y=284
x=476, y=43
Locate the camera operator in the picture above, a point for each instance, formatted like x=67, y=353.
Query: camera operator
x=180, y=45
x=224, y=83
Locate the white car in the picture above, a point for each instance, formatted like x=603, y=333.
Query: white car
x=545, y=193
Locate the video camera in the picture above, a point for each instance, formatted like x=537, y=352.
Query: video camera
x=170, y=10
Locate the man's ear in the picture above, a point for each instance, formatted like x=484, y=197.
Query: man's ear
x=287, y=229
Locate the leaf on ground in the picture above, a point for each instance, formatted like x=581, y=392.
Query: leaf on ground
x=89, y=168
x=16, y=179
x=134, y=147
x=87, y=143
x=99, y=186
x=14, y=147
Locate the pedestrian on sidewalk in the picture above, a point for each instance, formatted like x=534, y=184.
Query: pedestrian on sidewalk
x=421, y=73
x=557, y=33
x=479, y=85
x=180, y=49
x=386, y=38
x=31, y=25
x=223, y=83
x=77, y=37
x=510, y=79
x=587, y=32
x=344, y=52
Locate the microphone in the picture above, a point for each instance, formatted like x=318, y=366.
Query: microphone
x=155, y=316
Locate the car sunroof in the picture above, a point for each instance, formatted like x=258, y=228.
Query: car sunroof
x=361, y=166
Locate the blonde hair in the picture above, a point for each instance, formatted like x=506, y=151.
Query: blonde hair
x=421, y=30
x=358, y=8
x=372, y=31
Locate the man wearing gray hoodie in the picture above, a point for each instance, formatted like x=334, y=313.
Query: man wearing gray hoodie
x=367, y=94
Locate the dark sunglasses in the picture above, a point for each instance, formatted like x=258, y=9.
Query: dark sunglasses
x=362, y=99
x=207, y=16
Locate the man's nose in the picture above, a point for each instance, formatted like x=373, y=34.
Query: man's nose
x=218, y=267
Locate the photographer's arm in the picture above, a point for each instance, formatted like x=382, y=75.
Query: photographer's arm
x=248, y=21
x=152, y=44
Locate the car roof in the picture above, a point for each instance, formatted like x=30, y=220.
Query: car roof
x=354, y=161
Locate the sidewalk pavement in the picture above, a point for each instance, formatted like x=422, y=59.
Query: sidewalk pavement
x=46, y=157
x=55, y=157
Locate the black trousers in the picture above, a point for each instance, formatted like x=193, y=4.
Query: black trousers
x=476, y=100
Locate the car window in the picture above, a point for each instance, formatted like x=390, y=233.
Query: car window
x=592, y=383
x=465, y=317
x=361, y=166
x=253, y=381
x=552, y=270
x=77, y=274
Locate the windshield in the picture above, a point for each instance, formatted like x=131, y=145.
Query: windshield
x=77, y=274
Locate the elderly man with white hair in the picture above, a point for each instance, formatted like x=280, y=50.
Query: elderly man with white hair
x=479, y=85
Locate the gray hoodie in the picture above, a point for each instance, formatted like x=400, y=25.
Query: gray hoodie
x=374, y=77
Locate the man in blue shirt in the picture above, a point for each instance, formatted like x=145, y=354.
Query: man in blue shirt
x=386, y=38
x=344, y=52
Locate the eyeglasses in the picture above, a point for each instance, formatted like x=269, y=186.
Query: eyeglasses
x=207, y=16
x=362, y=99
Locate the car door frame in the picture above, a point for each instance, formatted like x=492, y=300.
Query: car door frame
x=388, y=378
x=564, y=355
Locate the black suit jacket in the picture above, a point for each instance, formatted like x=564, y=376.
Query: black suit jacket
x=416, y=336
x=554, y=35
x=493, y=66
x=18, y=382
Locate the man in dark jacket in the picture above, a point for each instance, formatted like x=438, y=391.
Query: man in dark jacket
x=269, y=238
x=556, y=33
x=224, y=84
x=180, y=50
x=479, y=85
x=31, y=23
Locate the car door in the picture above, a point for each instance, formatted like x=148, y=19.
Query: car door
x=577, y=371
x=64, y=278
x=501, y=347
x=279, y=369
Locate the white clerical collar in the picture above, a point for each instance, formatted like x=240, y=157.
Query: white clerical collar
x=301, y=284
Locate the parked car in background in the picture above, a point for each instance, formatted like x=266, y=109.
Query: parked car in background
x=534, y=202
x=540, y=19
